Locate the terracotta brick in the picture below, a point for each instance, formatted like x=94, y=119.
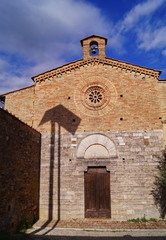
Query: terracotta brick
x=129, y=111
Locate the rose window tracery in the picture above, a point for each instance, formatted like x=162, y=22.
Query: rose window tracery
x=95, y=96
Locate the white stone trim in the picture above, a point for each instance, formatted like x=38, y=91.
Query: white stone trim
x=96, y=139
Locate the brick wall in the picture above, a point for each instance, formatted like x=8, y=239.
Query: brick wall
x=134, y=102
x=19, y=172
x=20, y=104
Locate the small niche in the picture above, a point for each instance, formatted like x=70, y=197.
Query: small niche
x=69, y=97
x=74, y=120
x=121, y=119
x=121, y=95
x=9, y=208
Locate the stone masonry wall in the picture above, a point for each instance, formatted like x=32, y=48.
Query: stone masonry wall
x=132, y=174
x=162, y=87
x=132, y=113
x=19, y=172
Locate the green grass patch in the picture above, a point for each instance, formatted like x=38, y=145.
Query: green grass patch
x=143, y=219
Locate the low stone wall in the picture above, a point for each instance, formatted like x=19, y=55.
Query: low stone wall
x=19, y=172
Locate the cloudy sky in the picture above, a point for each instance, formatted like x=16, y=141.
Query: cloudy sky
x=37, y=35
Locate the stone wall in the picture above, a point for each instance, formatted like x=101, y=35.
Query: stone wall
x=162, y=88
x=132, y=165
x=19, y=172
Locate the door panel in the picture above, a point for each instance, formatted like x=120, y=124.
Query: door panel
x=97, y=193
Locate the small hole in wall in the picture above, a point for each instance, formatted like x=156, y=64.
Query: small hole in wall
x=74, y=120
x=123, y=159
x=121, y=119
x=68, y=97
x=121, y=95
x=9, y=208
x=69, y=160
x=160, y=117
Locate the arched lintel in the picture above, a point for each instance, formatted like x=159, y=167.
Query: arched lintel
x=96, y=138
x=93, y=43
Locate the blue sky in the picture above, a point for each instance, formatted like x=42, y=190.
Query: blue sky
x=37, y=35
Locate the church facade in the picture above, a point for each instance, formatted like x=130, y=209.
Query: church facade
x=102, y=123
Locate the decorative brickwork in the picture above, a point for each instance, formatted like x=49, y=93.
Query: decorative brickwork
x=119, y=65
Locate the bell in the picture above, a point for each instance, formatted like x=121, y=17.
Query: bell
x=93, y=50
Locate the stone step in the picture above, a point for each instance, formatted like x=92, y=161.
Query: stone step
x=100, y=224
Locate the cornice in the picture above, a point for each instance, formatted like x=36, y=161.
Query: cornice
x=59, y=71
x=20, y=89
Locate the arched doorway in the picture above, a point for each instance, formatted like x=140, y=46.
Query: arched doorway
x=97, y=150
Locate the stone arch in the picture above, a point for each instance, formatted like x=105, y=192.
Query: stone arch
x=94, y=50
x=96, y=151
x=87, y=147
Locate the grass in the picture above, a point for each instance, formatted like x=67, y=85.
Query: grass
x=142, y=220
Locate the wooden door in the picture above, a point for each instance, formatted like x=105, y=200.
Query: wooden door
x=97, y=193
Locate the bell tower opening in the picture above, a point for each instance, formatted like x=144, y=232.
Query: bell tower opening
x=94, y=51
x=94, y=46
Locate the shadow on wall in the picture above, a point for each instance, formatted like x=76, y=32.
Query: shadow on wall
x=159, y=189
x=61, y=117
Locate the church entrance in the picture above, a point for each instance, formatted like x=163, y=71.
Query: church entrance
x=97, y=193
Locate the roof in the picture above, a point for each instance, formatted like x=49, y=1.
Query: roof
x=108, y=61
x=162, y=80
x=92, y=36
x=94, y=60
x=20, y=89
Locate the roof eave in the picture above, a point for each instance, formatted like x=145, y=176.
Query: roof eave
x=20, y=89
x=91, y=36
x=50, y=70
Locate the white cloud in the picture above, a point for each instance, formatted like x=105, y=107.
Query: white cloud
x=164, y=52
x=43, y=34
x=40, y=30
x=135, y=20
x=152, y=38
x=139, y=11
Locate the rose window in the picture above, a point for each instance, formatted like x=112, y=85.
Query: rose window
x=95, y=96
